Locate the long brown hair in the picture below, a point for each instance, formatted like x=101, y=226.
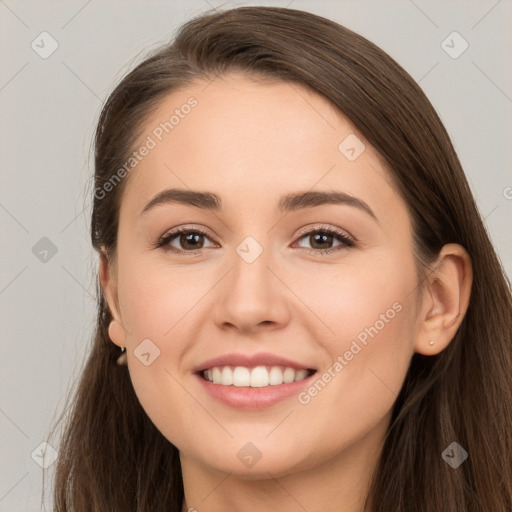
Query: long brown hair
x=111, y=455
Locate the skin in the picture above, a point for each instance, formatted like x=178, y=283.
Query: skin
x=250, y=141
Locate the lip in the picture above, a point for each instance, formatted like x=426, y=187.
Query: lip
x=250, y=361
x=248, y=398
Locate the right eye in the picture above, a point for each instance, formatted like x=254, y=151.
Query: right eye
x=185, y=237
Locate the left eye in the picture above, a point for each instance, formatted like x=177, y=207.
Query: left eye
x=327, y=236
x=190, y=240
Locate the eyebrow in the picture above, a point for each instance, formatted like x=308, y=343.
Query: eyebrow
x=287, y=203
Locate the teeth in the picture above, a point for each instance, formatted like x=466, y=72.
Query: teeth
x=289, y=375
x=216, y=375
x=226, y=378
x=241, y=376
x=275, y=376
x=258, y=377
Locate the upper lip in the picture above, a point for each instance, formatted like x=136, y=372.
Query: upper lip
x=250, y=360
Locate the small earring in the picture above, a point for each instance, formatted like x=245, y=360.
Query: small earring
x=122, y=360
x=431, y=342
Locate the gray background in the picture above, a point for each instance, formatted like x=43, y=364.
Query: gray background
x=49, y=108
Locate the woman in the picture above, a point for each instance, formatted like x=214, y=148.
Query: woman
x=368, y=370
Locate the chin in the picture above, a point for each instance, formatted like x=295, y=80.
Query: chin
x=251, y=463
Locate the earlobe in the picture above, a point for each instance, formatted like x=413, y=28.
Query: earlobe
x=446, y=295
x=116, y=333
x=109, y=289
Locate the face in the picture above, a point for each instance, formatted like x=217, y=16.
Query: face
x=313, y=283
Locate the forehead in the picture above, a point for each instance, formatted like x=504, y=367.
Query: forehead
x=250, y=137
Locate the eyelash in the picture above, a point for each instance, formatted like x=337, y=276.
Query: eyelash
x=347, y=241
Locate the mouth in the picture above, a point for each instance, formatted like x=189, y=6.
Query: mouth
x=253, y=377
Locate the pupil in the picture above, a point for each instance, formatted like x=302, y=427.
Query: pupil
x=324, y=238
x=190, y=237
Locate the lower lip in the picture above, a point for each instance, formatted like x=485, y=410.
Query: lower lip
x=253, y=398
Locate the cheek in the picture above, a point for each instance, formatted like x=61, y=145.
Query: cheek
x=362, y=298
x=156, y=301
x=158, y=305
x=369, y=360
x=374, y=360
x=370, y=310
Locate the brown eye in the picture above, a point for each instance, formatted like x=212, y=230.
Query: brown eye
x=321, y=240
x=188, y=240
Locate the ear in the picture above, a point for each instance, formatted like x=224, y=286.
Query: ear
x=446, y=293
x=108, y=281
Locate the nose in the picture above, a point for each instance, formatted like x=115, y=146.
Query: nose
x=252, y=296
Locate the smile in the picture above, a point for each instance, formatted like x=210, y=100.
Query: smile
x=257, y=377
